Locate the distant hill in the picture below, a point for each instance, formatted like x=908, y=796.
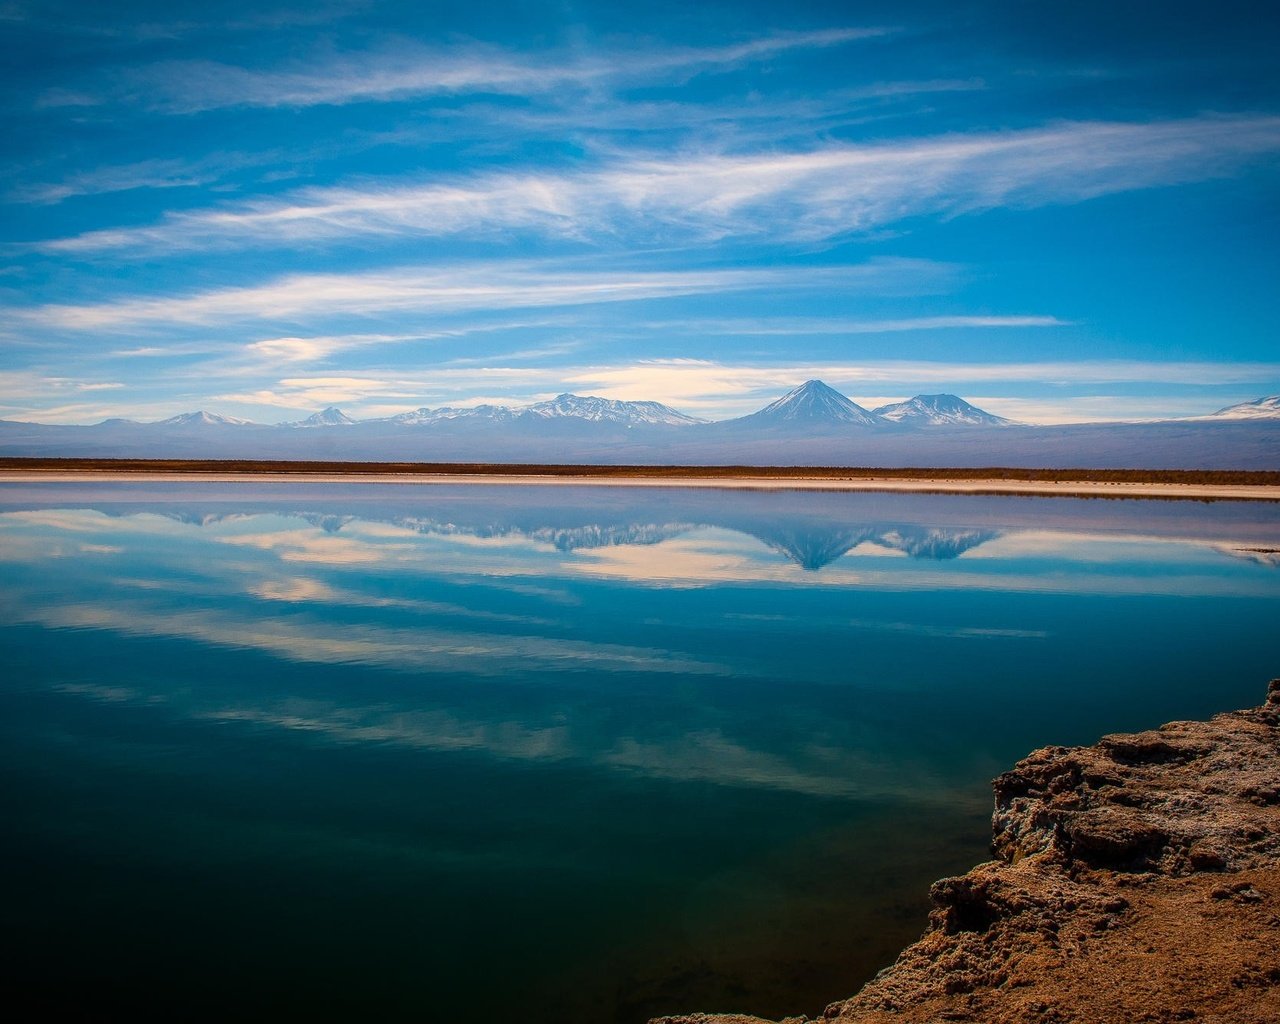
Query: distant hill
x=1259, y=409
x=196, y=419
x=607, y=410
x=939, y=411
x=812, y=424
x=449, y=414
x=563, y=407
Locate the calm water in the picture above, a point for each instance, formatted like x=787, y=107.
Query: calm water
x=566, y=754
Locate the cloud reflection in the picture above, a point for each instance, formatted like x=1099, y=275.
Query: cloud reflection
x=624, y=635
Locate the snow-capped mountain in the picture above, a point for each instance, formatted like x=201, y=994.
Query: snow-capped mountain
x=1260, y=409
x=939, y=410
x=331, y=417
x=449, y=414
x=813, y=547
x=810, y=425
x=934, y=542
x=562, y=407
x=609, y=410
x=203, y=419
x=813, y=404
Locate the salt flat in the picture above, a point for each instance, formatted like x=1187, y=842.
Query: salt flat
x=926, y=485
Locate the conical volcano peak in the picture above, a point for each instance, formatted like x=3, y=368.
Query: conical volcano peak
x=813, y=403
x=816, y=388
x=330, y=417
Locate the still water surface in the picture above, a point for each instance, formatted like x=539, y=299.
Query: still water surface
x=556, y=754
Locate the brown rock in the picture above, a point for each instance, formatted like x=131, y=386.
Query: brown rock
x=1136, y=880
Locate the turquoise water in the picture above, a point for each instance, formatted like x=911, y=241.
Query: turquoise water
x=556, y=753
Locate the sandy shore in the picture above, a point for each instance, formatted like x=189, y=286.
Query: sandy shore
x=931, y=485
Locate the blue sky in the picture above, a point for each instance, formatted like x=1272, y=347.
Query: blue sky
x=1061, y=212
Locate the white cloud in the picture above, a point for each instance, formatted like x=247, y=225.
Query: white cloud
x=405, y=71
x=791, y=196
x=167, y=351
x=158, y=173
x=759, y=117
x=301, y=350
x=311, y=393
x=465, y=288
x=293, y=349
x=790, y=326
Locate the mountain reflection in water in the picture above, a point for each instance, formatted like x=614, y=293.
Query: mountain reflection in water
x=600, y=754
x=810, y=547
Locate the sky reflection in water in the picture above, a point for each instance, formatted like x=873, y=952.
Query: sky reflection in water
x=617, y=753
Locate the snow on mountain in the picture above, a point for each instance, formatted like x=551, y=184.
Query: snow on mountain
x=1261, y=409
x=331, y=417
x=812, y=547
x=562, y=407
x=609, y=410
x=812, y=404
x=939, y=410
x=203, y=419
x=938, y=543
x=447, y=414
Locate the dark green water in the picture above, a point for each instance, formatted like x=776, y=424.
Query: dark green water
x=555, y=754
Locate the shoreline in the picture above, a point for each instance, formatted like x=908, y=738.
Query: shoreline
x=783, y=480
x=1135, y=879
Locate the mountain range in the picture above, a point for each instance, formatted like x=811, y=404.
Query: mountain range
x=812, y=530
x=1260, y=409
x=939, y=410
x=572, y=407
x=811, y=424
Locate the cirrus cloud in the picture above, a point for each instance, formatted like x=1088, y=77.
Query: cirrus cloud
x=806, y=196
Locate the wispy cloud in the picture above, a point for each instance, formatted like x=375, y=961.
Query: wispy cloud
x=762, y=119
x=465, y=288
x=33, y=381
x=794, y=326
x=310, y=349
x=307, y=349
x=67, y=20
x=798, y=197
x=307, y=393
x=159, y=173
x=408, y=70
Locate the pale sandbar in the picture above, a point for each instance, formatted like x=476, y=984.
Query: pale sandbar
x=928, y=485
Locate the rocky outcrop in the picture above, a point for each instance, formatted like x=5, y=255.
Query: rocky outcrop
x=1136, y=880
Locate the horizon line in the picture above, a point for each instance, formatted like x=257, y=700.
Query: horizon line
x=521, y=408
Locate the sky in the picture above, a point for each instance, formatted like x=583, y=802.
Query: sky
x=1061, y=211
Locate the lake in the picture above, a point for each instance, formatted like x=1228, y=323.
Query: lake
x=556, y=754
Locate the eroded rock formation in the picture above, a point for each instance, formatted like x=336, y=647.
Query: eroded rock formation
x=1135, y=880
